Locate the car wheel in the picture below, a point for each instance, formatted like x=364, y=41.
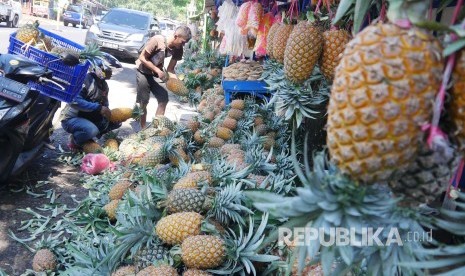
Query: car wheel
x=74, y=25
x=15, y=21
x=65, y=23
x=83, y=25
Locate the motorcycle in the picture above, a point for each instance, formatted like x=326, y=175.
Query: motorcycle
x=25, y=114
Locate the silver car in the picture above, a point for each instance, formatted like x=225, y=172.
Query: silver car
x=123, y=32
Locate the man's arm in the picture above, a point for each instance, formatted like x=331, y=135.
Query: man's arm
x=171, y=66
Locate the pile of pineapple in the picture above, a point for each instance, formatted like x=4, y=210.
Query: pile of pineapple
x=244, y=70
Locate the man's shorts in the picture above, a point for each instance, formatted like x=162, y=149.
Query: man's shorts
x=147, y=83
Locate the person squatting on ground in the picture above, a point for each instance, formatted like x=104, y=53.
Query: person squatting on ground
x=87, y=116
x=150, y=67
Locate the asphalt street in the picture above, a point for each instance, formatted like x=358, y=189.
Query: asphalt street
x=123, y=83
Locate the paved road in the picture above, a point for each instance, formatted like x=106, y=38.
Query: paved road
x=122, y=85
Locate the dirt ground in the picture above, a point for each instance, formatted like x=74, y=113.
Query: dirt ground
x=15, y=258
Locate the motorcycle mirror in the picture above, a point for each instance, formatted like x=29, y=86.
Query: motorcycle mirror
x=69, y=59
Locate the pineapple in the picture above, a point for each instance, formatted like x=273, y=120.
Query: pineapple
x=258, y=121
x=270, y=39
x=111, y=141
x=192, y=179
x=185, y=200
x=238, y=104
x=119, y=189
x=199, y=137
x=269, y=143
x=227, y=149
x=334, y=42
x=457, y=110
x=195, y=272
x=175, y=228
x=119, y=115
x=162, y=122
x=206, y=251
x=280, y=40
x=110, y=209
x=302, y=52
x=28, y=33
x=44, y=260
x=235, y=113
x=162, y=270
x=177, y=87
x=383, y=91
x=193, y=124
x=178, y=155
x=91, y=147
x=215, y=142
x=148, y=255
x=128, y=270
x=203, y=251
x=261, y=129
x=426, y=179
x=224, y=133
x=153, y=158
x=229, y=123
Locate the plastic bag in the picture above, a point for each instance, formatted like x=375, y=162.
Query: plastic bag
x=95, y=163
x=242, y=16
x=227, y=14
x=265, y=25
x=254, y=18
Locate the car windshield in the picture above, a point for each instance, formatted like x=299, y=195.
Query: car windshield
x=129, y=19
x=74, y=8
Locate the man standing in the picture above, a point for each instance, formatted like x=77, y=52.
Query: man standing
x=150, y=66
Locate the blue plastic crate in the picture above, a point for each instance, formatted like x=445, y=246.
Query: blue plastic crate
x=254, y=88
x=72, y=76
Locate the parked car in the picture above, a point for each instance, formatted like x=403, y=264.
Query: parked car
x=123, y=32
x=98, y=17
x=77, y=15
x=167, y=27
x=10, y=12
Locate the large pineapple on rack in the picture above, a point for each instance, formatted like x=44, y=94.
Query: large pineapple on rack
x=334, y=43
x=382, y=94
x=302, y=51
x=280, y=40
x=457, y=105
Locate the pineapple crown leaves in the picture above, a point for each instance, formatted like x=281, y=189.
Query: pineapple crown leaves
x=90, y=257
x=133, y=231
x=228, y=205
x=259, y=163
x=450, y=258
x=243, y=249
x=355, y=10
x=306, y=101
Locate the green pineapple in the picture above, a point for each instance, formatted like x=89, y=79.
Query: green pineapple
x=147, y=255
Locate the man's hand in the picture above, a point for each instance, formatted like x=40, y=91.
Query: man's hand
x=106, y=112
x=162, y=75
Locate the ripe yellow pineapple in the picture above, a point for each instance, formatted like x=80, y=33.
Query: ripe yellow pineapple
x=28, y=33
x=203, y=251
x=193, y=124
x=334, y=42
x=175, y=228
x=161, y=270
x=128, y=270
x=457, y=105
x=215, y=142
x=195, y=272
x=91, y=147
x=280, y=41
x=177, y=87
x=185, y=200
x=235, y=113
x=191, y=180
x=383, y=91
x=161, y=122
x=238, y=104
x=270, y=39
x=110, y=209
x=121, y=114
x=119, y=189
x=111, y=141
x=230, y=123
x=179, y=153
x=153, y=158
x=224, y=133
x=302, y=52
x=44, y=260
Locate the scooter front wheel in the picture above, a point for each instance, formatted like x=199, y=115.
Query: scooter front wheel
x=10, y=147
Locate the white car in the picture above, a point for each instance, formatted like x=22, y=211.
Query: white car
x=10, y=12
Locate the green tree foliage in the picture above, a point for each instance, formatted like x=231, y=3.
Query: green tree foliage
x=175, y=9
